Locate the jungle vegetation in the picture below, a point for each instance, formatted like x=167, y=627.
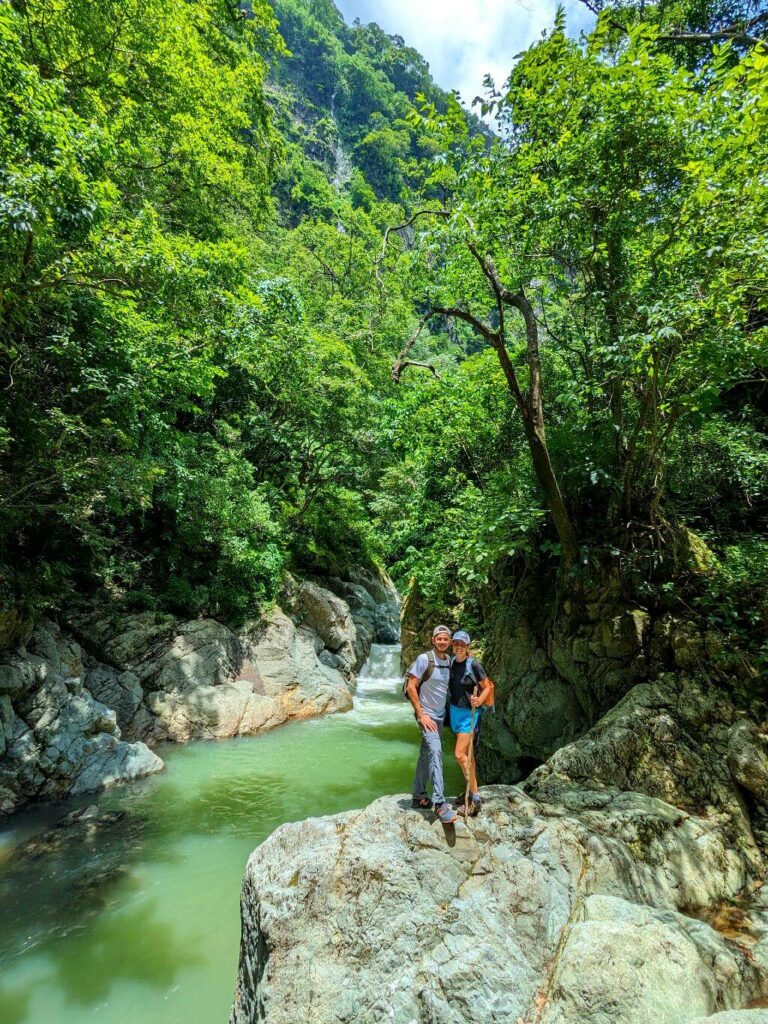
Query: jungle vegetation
x=272, y=300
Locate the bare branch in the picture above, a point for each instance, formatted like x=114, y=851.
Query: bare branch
x=711, y=37
x=403, y=360
x=400, y=365
x=460, y=314
x=385, y=242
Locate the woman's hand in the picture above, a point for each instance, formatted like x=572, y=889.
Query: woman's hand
x=476, y=701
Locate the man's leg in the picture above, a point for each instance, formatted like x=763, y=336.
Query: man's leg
x=435, y=754
x=422, y=769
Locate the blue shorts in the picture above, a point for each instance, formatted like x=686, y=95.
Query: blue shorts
x=461, y=718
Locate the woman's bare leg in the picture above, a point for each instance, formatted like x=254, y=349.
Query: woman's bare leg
x=466, y=762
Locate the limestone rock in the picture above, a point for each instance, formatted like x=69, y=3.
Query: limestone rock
x=735, y=1017
x=121, y=691
x=329, y=617
x=747, y=758
x=387, y=602
x=364, y=611
x=56, y=740
x=667, y=739
x=178, y=681
x=568, y=912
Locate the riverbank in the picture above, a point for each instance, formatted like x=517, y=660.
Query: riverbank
x=83, y=701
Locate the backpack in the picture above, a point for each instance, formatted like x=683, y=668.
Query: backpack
x=427, y=675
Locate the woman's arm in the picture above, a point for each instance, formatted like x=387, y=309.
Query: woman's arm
x=486, y=688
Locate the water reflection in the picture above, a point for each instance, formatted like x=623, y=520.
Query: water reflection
x=129, y=945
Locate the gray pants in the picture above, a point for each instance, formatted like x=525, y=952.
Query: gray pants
x=430, y=764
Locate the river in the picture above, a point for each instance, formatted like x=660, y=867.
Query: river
x=142, y=922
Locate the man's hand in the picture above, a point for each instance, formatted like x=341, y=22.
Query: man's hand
x=428, y=724
x=476, y=701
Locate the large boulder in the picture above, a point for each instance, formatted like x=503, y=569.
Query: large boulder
x=668, y=739
x=576, y=911
x=203, y=680
x=387, y=601
x=326, y=615
x=56, y=740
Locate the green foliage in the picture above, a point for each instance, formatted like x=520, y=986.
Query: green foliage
x=199, y=321
x=460, y=497
x=172, y=421
x=625, y=198
x=733, y=600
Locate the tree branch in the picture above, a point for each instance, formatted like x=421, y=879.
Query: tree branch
x=402, y=360
x=460, y=314
x=385, y=242
x=401, y=364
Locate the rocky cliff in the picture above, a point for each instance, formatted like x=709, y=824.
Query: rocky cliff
x=79, y=703
x=622, y=882
x=563, y=655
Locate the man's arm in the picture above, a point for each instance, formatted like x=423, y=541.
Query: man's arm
x=412, y=691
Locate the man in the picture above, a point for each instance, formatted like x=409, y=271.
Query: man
x=469, y=688
x=427, y=690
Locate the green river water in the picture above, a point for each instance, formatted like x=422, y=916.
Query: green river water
x=142, y=925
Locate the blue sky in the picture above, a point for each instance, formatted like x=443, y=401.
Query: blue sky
x=464, y=39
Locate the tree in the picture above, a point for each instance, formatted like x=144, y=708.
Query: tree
x=603, y=217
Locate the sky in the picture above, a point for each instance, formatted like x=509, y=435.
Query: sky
x=464, y=39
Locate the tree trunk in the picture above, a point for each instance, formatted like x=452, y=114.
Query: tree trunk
x=552, y=494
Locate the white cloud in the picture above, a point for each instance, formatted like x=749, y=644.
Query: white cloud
x=463, y=40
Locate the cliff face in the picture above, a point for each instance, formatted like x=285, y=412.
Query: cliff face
x=68, y=706
x=56, y=738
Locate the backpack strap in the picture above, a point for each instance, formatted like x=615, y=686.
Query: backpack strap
x=430, y=667
x=427, y=674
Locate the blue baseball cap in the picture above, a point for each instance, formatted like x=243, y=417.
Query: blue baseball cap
x=462, y=636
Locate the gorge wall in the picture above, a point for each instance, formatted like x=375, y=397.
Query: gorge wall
x=82, y=702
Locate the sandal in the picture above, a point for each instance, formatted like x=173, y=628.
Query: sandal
x=421, y=803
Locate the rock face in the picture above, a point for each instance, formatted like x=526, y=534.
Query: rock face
x=374, y=606
x=65, y=713
x=671, y=739
x=55, y=739
x=173, y=680
x=621, y=883
x=568, y=912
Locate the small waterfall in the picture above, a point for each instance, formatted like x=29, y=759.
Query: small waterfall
x=379, y=697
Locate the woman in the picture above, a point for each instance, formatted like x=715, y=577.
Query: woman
x=469, y=688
